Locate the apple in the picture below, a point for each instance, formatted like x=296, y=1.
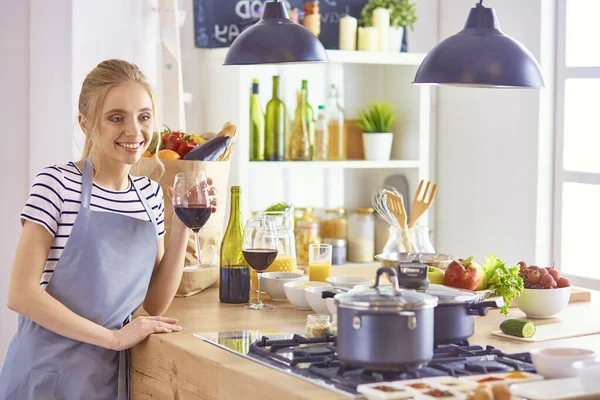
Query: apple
x=465, y=274
x=435, y=275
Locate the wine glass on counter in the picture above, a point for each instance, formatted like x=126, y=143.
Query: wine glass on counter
x=191, y=204
x=260, y=250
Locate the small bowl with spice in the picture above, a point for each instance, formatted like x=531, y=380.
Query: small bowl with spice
x=272, y=283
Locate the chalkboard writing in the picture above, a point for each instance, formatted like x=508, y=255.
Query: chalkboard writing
x=218, y=22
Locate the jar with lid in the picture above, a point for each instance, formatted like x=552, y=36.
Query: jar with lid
x=361, y=235
x=307, y=233
x=338, y=250
x=312, y=17
x=317, y=325
x=334, y=225
x=286, y=246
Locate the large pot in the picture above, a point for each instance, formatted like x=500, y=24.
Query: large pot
x=454, y=317
x=385, y=328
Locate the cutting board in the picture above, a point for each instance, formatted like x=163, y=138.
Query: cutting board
x=572, y=322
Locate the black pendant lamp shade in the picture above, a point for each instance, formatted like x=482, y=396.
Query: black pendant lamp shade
x=275, y=39
x=481, y=56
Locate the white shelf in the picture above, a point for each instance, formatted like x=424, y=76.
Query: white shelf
x=345, y=57
x=351, y=164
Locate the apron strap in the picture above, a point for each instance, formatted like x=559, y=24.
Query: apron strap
x=87, y=181
x=147, y=207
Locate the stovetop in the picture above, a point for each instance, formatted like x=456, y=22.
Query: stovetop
x=316, y=361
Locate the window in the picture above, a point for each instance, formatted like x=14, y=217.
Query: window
x=577, y=159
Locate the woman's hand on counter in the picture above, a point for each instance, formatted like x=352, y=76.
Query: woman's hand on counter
x=139, y=329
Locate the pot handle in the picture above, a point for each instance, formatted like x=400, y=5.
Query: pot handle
x=412, y=319
x=391, y=272
x=482, y=307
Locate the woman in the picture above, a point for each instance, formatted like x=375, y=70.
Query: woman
x=91, y=252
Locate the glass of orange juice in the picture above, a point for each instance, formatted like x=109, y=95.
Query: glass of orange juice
x=319, y=262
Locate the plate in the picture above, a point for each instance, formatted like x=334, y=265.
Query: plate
x=553, y=389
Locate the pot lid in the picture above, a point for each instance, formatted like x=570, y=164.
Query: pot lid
x=383, y=298
x=449, y=295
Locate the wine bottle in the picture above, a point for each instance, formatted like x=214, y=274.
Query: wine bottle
x=310, y=121
x=234, y=285
x=275, y=125
x=257, y=125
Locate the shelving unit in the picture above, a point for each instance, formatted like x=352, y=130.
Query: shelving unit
x=362, y=77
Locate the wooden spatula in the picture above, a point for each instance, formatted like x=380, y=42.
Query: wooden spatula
x=396, y=206
x=422, y=202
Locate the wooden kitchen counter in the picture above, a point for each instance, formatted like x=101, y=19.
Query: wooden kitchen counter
x=183, y=367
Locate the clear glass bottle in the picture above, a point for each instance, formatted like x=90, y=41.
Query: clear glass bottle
x=361, y=235
x=321, y=142
x=317, y=325
x=336, y=126
x=257, y=125
x=275, y=125
x=300, y=141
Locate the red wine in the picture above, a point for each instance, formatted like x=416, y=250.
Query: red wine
x=260, y=259
x=194, y=217
x=234, y=285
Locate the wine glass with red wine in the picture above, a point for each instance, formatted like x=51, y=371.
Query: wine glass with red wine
x=260, y=250
x=192, y=205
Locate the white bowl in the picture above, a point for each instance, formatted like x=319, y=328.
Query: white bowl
x=558, y=362
x=544, y=303
x=294, y=291
x=588, y=372
x=348, y=281
x=272, y=283
x=315, y=300
x=331, y=307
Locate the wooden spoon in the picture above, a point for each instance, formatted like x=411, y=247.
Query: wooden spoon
x=396, y=206
x=422, y=203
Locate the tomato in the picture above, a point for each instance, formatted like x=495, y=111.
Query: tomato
x=187, y=144
x=172, y=141
x=168, y=155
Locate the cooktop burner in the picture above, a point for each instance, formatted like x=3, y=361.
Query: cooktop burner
x=316, y=360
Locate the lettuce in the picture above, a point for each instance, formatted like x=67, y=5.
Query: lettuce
x=506, y=281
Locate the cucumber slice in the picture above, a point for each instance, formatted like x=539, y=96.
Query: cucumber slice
x=518, y=327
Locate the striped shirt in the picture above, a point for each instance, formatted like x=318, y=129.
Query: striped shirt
x=55, y=200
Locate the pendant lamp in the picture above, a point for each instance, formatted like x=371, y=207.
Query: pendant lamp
x=275, y=39
x=480, y=55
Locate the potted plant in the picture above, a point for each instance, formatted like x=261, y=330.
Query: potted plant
x=403, y=14
x=376, y=123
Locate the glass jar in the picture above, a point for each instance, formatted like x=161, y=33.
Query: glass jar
x=317, y=325
x=361, y=235
x=334, y=225
x=338, y=250
x=298, y=213
x=419, y=240
x=334, y=324
x=307, y=233
x=286, y=249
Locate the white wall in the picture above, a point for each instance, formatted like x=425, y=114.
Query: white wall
x=488, y=165
x=14, y=114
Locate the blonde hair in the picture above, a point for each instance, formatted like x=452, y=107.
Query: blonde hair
x=97, y=83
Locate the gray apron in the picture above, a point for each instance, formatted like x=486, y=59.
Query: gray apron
x=102, y=275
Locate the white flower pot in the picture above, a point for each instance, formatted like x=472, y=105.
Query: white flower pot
x=377, y=146
x=395, y=39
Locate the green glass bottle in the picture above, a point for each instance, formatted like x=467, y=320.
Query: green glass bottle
x=310, y=121
x=257, y=125
x=234, y=285
x=275, y=125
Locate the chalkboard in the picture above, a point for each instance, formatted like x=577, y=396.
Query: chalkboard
x=218, y=22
